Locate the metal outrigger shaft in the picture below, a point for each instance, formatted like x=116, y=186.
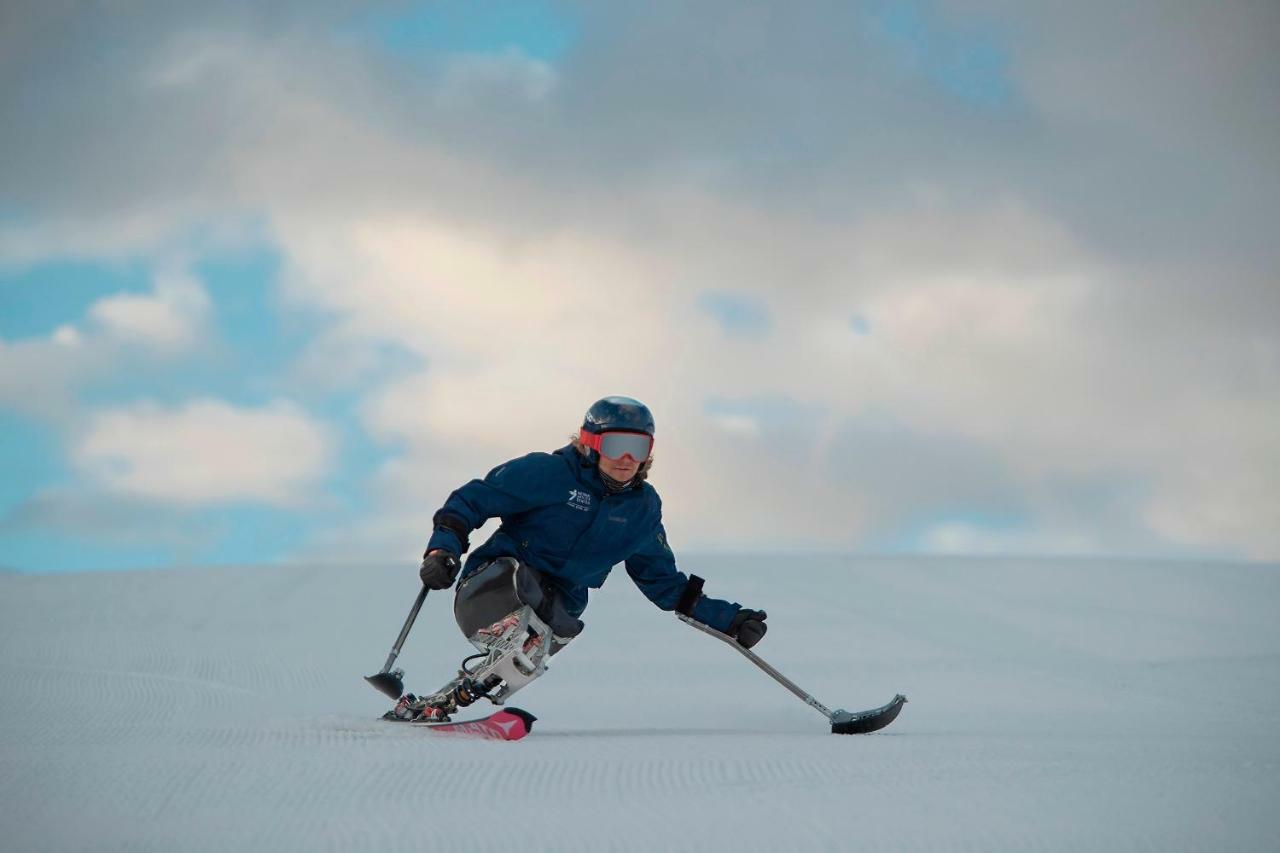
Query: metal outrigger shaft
x=842, y=722
x=388, y=681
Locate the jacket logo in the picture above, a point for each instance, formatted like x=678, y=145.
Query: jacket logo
x=580, y=499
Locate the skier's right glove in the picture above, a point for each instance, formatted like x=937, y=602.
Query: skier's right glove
x=439, y=569
x=748, y=627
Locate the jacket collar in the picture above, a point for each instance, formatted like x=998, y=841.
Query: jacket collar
x=586, y=471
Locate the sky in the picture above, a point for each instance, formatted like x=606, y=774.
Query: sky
x=895, y=277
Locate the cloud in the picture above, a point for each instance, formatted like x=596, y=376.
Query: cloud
x=737, y=424
x=472, y=77
x=66, y=336
x=995, y=343
x=170, y=318
x=1072, y=282
x=35, y=376
x=967, y=538
x=206, y=452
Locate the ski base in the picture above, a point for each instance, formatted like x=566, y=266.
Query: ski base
x=506, y=724
x=864, y=722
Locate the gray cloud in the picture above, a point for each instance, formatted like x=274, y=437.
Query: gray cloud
x=1149, y=132
x=1122, y=195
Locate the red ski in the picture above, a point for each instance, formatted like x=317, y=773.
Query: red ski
x=506, y=724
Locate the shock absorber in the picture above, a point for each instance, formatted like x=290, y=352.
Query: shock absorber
x=468, y=691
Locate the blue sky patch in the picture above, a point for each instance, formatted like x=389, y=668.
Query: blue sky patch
x=36, y=301
x=224, y=536
x=738, y=314
x=243, y=290
x=60, y=551
x=249, y=535
x=29, y=453
x=540, y=30
x=969, y=63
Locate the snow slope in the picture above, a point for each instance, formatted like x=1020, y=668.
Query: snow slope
x=1054, y=706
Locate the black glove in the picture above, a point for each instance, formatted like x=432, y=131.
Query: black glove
x=748, y=627
x=438, y=570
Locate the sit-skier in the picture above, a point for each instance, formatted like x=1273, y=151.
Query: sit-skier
x=567, y=517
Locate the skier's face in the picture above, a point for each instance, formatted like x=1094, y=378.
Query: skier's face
x=622, y=469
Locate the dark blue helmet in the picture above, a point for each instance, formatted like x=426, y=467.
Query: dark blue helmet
x=618, y=413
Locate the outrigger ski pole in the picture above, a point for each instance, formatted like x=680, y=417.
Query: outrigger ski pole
x=842, y=722
x=388, y=681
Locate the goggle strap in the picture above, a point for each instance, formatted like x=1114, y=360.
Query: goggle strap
x=590, y=439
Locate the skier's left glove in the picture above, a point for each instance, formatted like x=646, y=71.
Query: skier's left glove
x=748, y=627
x=438, y=569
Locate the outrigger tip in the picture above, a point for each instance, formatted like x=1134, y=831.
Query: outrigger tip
x=865, y=722
x=390, y=683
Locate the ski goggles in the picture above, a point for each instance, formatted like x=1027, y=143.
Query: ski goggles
x=616, y=445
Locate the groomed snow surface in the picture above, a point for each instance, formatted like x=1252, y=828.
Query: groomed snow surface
x=1059, y=705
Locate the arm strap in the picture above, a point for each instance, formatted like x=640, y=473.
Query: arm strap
x=448, y=521
x=688, y=598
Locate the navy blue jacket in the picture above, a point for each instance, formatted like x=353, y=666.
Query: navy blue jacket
x=558, y=518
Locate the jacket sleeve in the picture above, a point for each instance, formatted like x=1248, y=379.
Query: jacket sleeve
x=653, y=568
x=513, y=487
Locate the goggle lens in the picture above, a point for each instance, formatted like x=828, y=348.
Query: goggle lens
x=616, y=445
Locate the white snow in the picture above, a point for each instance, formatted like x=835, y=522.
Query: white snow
x=1055, y=705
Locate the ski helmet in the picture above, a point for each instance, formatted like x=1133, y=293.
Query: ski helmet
x=621, y=414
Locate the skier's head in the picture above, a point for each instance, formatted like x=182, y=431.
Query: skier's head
x=617, y=434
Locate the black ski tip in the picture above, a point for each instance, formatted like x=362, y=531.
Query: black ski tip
x=524, y=715
x=864, y=722
x=387, y=683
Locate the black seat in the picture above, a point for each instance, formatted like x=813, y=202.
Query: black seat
x=502, y=587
